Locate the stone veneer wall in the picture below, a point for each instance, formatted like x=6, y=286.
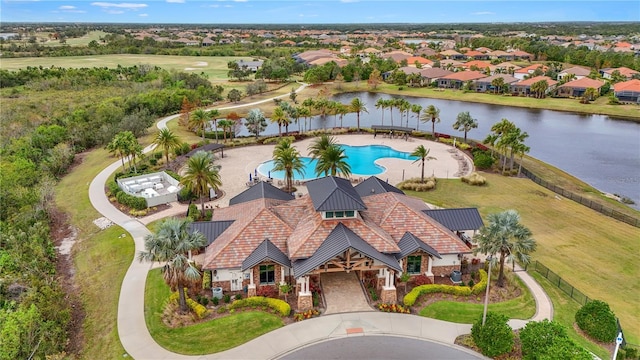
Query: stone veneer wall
x=389, y=295
x=444, y=270
x=225, y=285
x=256, y=275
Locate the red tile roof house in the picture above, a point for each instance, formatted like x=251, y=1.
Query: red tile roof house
x=628, y=91
x=523, y=87
x=578, y=71
x=476, y=55
x=267, y=237
x=526, y=71
x=624, y=71
x=576, y=88
x=484, y=84
x=458, y=79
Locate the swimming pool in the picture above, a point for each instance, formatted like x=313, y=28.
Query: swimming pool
x=360, y=158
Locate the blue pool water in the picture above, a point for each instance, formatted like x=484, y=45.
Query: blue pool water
x=360, y=158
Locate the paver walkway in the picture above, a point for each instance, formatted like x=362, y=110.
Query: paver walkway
x=343, y=293
x=139, y=344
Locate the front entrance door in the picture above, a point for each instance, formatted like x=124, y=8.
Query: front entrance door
x=236, y=280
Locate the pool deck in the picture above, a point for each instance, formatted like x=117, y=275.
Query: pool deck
x=239, y=162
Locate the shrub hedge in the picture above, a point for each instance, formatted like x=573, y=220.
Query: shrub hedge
x=549, y=340
x=418, y=291
x=280, y=306
x=495, y=337
x=597, y=320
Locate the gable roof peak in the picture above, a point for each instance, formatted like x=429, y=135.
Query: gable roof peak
x=332, y=193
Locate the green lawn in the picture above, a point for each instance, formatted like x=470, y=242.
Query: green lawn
x=564, y=310
x=207, y=337
x=214, y=66
x=595, y=253
x=522, y=307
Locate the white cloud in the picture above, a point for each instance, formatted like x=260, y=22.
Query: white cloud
x=176, y=1
x=66, y=7
x=349, y=1
x=129, y=6
x=143, y=15
x=213, y=6
x=483, y=13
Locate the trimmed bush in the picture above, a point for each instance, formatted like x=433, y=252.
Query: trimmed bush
x=206, y=280
x=173, y=174
x=283, y=308
x=416, y=185
x=597, y=320
x=131, y=201
x=418, y=291
x=483, y=159
x=495, y=337
x=474, y=179
x=197, y=308
x=549, y=340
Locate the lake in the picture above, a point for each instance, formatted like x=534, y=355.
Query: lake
x=602, y=151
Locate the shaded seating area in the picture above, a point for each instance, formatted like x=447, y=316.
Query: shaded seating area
x=392, y=131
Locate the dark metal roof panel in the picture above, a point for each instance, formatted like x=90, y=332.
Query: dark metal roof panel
x=373, y=186
x=457, y=219
x=410, y=243
x=210, y=229
x=265, y=251
x=332, y=193
x=261, y=190
x=339, y=240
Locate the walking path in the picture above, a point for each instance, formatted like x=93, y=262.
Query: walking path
x=343, y=293
x=139, y=344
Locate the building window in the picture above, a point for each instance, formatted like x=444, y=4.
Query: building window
x=339, y=214
x=267, y=274
x=413, y=264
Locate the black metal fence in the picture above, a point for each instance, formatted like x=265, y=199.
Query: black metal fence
x=556, y=280
x=582, y=200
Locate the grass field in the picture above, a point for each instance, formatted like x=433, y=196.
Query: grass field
x=215, y=67
x=595, y=253
x=206, y=337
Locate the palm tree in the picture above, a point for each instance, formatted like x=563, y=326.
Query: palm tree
x=213, y=114
x=320, y=144
x=505, y=235
x=279, y=117
x=382, y=104
x=287, y=158
x=171, y=245
x=200, y=175
x=342, y=110
x=199, y=120
x=305, y=113
x=333, y=161
x=431, y=113
x=404, y=106
x=357, y=106
x=225, y=125
x=416, y=109
x=422, y=154
x=464, y=122
x=166, y=140
x=498, y=84
x=120, y=144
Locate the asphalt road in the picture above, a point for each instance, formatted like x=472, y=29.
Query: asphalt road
x=379, y=347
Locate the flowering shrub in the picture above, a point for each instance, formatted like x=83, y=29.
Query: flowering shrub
x=305, y=315
x=267, y=291
x=393, y=308
x=421, y=280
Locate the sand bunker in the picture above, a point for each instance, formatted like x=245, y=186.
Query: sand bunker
x=190, y=69
x=201, y=63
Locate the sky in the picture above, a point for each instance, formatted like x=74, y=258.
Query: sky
x=316, y=11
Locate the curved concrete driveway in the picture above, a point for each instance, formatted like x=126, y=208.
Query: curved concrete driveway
x=137, y=341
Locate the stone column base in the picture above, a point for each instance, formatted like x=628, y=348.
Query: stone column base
x=380, y=282
x=389, y=295
x=251, y=290
x=305, y=302
x=430, y=276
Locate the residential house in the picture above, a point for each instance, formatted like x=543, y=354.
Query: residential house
x=578, y=71
x=267, y=237
x=252, y=65
x=523, y=55
x=451, y=54
x=426, y=52
x=507, y=68
x=528, y=71
x=429, y=75
x=501, y=55
x=397, y=55
x=476, y=55
x=479, y=65
x=458, y=79
x=411, y=61
x=523, y=87
x=624, y=71
x=576, y=88
x=628, y=91
x=485, y=84
x=208, y=41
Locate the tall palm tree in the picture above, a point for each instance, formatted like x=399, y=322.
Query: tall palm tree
x=171, y=245
x=166, y=140
x=305, y=113
x=213, y=114
x=279, y=117
x=342, y=110
x=506, y=236
x=431, y=113
x=333, y=161
x=416, y=109
x=287, y=158
x=226, y=125
x=422, y=154
x=464, y=122
x=119, y=145
x=200, y=174
x=404, y=106
x=199, y=120
x=320, y=144
x=382, y=104
x=357, y=106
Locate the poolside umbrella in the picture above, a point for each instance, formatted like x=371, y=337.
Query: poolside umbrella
x=269, y=174
x=250, y=178
x=255, y=172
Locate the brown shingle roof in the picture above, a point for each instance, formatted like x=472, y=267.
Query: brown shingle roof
x=584, y=83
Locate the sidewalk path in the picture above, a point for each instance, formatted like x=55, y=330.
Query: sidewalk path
x=139, y=344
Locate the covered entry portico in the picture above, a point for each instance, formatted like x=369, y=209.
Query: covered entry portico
x=343, y=251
